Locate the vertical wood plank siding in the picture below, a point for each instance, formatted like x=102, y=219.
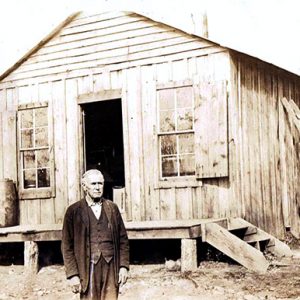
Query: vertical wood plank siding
x=132, y=53
x=260, y=88
x=60, y=147
x=98, y=51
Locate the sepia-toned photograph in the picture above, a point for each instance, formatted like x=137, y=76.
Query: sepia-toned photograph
x=150, y=150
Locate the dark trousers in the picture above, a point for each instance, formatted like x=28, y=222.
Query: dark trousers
x=102, y=285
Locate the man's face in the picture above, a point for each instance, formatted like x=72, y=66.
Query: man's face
x=94, y=185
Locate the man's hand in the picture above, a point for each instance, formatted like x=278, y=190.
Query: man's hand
x=74, y=283
x=123, y=275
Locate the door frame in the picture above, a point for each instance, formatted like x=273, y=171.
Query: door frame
x=104, y=95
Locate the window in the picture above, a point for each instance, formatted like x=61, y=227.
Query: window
x=34, y=150
x=192, y=131
x=176, y=131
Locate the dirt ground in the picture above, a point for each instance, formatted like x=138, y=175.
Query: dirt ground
x=212, y=280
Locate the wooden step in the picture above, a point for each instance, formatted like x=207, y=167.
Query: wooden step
x=257, y=236
x=250, y=230
x=274, y=246
x=234, y=247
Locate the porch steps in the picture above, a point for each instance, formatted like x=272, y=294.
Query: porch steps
x=245, y=243
x=255, y=234
x=235, y=248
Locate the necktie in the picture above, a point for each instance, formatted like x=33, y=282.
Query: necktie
x=96, y=208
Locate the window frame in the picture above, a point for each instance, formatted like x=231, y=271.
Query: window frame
x=37, y=192
x=184, y=180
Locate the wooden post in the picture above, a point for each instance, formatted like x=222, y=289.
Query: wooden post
x=188, y=255
x=31, y=256
x=283, y=168
x=119, y=199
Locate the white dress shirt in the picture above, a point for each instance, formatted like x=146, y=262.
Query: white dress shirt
x=96, y=207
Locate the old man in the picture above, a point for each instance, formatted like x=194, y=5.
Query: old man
x=95, y=245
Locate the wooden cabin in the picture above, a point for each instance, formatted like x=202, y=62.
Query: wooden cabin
x=181, y=127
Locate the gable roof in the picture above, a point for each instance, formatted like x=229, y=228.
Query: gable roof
x=74, y=16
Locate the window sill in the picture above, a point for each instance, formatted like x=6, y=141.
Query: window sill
x=178, y=183
x=31, y=194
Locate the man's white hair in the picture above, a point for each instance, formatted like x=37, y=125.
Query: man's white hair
x=90, y=172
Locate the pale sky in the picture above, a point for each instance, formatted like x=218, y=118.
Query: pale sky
x=268, y=29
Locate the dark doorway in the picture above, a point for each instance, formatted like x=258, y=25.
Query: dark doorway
x=104, y=142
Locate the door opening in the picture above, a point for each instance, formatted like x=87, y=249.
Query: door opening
x=104, y=142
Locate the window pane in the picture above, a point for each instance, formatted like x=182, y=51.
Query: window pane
x=41, y=136
x=26, y=118
x=187, y=165
x=184, y=119
x=34, y=134
x=184, y=97
x=29, y=179
x=28, y=159
x=42, y=158
x=169, y=166
x=166, y=99
x=167, y=120
x=168, y=144
x=186, y=143
x=27, y=138
x=41, y=117
x=43, y=178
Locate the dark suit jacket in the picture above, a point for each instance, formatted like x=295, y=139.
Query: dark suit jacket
x=76, y=245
